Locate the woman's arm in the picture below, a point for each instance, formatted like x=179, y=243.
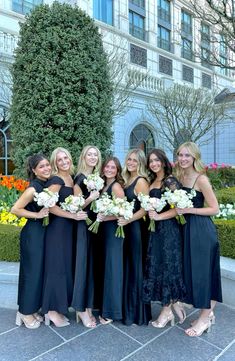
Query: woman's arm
x=142, y=186
x=92, y=197
x=203, y=185
x=118, y=192
x=19, y=207
x=171, y=213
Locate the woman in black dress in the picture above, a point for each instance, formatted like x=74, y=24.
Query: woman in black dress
x=32, y=243
x=112, y=247
x=135, y=178
x=201, y=246
x=163, y=278
x=84, y=284
x=58, y=276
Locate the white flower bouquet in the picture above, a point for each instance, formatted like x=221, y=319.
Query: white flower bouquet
x=181, y=199
x=74, y=204
x=94, y=183
x=226, y=211
x=102, y=205
x=151, y=204
x=46, y=199
x=121, y=208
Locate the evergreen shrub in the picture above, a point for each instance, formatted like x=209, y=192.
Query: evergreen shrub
x=62, y=92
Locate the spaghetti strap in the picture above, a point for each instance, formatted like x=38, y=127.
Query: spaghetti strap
x=196, y=180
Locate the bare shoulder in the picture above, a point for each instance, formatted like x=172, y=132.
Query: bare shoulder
x=203, y=182
x=117, y=189
x=142, y=181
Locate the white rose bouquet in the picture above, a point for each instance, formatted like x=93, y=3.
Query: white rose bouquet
x=121, y=208
x=46, y=199
x=94, y=183
x=151, y=204
x=181, y=199
x=102, y=205
x=74, y=204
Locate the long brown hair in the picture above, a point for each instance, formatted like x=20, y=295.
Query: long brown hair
x=116, y=161
x=163, y=159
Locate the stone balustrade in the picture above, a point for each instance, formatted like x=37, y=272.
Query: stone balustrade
x=8, y=43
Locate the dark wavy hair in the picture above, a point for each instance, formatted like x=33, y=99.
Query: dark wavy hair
x=163, y=159
x=119, y=178
x=32, y=163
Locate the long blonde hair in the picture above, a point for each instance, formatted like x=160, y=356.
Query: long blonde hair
x=54, y=168
x=196, y=154
x=82, y=167
x=141, y=168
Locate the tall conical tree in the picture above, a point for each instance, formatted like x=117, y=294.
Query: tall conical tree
x=62, y=94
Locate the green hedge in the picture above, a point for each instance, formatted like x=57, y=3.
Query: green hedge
x=226, y=195
x=221, y=177
x=9, y=240
x=9, y=243
x=226, y=233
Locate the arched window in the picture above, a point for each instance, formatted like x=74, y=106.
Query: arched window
x=142, y=137
x=6, y=164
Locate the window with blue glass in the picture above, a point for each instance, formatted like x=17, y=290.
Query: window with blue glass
x=139, y=3
x=223, y=56
x=164, y=38
x=187, y=49
x=164, y=10
x=103, y=11
x=186, y=22
x=136, y=25
x=24, y=7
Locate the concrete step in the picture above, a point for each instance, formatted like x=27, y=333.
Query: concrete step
x=9, y=282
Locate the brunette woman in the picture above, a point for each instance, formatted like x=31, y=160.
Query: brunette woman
x=58, y=277
x=163, y=280
x=201, y=246
x=84, y=284
x=32, y=243
x=135, y=181
x=112, y=247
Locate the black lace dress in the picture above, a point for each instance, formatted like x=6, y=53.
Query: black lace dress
x=134, y=310
x=32, y=241
x=83, y=291
x=163, y=278
x=201, y=258
x=58, y=277
x=112, y=278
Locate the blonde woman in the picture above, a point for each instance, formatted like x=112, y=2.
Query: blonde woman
x=84, y=284
x=58, y=277
x=201, y=246
x=136, y=181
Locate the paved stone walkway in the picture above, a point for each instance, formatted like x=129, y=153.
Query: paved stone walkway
x=116, y=342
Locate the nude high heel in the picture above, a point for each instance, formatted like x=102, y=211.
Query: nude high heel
x=165, y=319
x=57, y=323
x=85, y=318
x=194, y=332
x=180, y=311
x=21, y=319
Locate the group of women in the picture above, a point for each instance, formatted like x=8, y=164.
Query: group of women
x=64, y=264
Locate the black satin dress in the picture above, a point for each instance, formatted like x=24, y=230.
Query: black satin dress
x=83, y=290
x=58, y=276
x=163, y=278
x=134, y=310
x=201, y=258
x=32, y=241
x=112, y=269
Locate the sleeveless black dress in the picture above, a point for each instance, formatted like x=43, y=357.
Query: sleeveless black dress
x=112, y=249
x=201, y=258
x=32, y=240
x=58, y=277
x=134, y=310
x=83, y=290
x=163, y=278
